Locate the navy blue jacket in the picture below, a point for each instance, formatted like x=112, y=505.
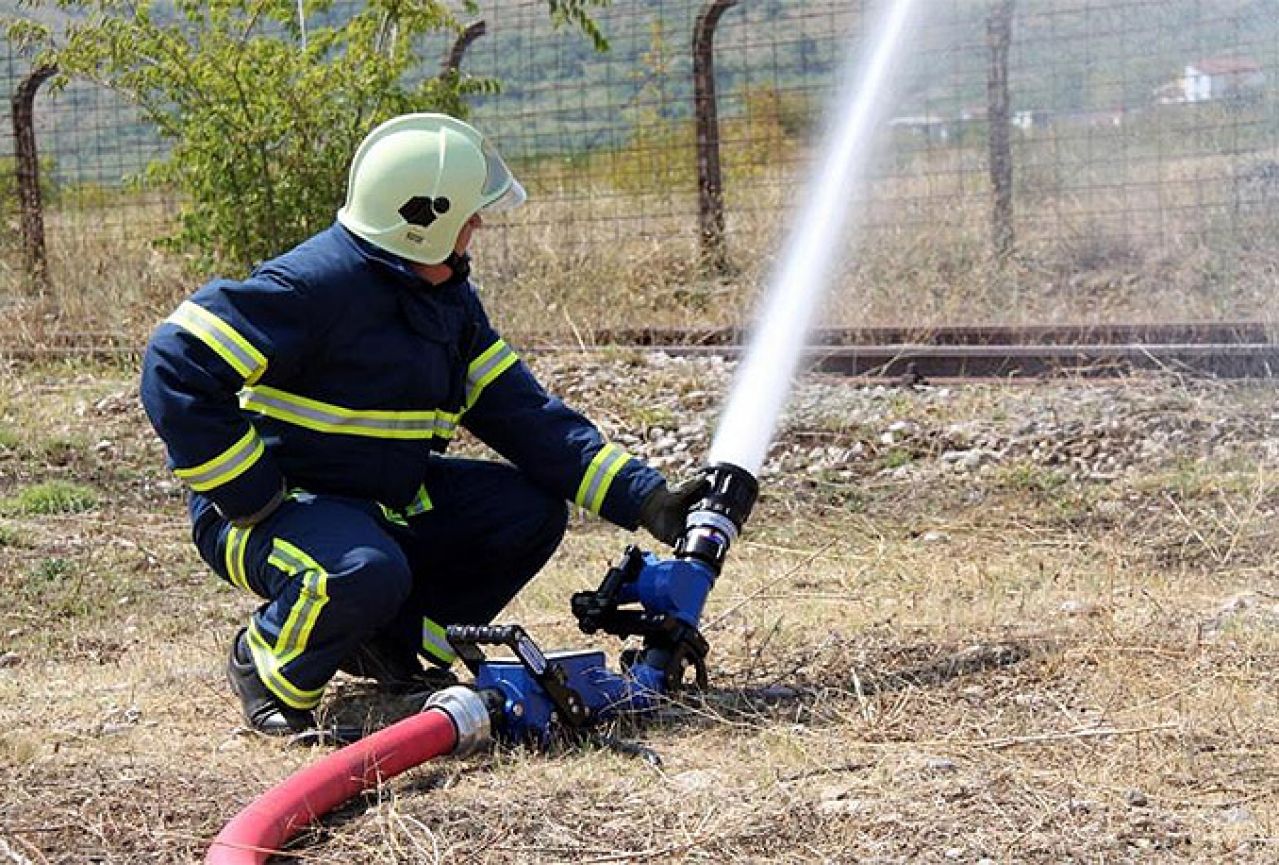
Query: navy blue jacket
x=336, y=369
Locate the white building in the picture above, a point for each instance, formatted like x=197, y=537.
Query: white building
x=1221, y=78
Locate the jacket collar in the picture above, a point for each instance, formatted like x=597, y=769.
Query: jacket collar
x=400, y=267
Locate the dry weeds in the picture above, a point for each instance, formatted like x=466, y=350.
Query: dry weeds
x=1167, y=239
x=951, y=667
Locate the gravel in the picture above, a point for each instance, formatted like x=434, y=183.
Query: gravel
x=665, y=408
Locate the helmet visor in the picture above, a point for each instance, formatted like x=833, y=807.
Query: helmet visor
x=501, y=191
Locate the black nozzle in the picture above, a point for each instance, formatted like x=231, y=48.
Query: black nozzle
x=732, y=492
x=715, y=521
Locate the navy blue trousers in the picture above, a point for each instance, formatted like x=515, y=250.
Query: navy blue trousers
x=335, y=572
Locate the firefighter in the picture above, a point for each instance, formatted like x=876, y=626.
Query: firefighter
x=308, y=408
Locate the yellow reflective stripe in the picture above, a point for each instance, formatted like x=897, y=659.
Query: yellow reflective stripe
x=421, y=503
x=268, y=663
x=436, y=643
x=312, y=596
x=222, y=338
x=226, y=466
x=237, y=540
x=599, y=477
x=329, y=418
x=492, y=362
x=393, y=516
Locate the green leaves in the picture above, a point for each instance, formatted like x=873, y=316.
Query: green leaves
x=263, y=122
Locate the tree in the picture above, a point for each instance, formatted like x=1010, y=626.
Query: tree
x=263, y=101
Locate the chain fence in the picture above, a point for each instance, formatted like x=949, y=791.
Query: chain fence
x=1076, y=160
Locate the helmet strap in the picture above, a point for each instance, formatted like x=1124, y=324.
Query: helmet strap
x=459, y=268
x=460, y=265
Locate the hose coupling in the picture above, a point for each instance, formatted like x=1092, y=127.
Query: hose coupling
x=470, y=716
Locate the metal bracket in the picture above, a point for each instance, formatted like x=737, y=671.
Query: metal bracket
x=550, y=676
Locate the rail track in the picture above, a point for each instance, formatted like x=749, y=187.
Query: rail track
x=1247, y=349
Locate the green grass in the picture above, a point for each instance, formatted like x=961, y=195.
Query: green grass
x=896, y=458
x=9, y=536
x=60, y=450
x=53, y=584
x=51, y=497
x=1028, y=477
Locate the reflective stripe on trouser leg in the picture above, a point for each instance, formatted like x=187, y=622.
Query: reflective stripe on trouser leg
x=269, y=657
x=435, y=643
x=237, y=541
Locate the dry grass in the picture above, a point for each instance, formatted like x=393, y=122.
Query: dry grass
x=1001, y=666
x=1160, y=239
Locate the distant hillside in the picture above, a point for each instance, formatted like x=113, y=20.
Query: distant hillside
x=560, y=96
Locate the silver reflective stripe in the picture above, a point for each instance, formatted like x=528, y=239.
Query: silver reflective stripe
x=487, y=366
x=478, y=374
x=421, y=503
x=436, y=643
x=323, y=417
x=312, y=597
x=226, y=467
x=599, y=475
x=221, y=337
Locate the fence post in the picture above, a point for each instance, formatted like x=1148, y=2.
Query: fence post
x=453, y=60
x=710, y=181
x=27, y=176
x=999, y=31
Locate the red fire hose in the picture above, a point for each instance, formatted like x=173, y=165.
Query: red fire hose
x=264, y=826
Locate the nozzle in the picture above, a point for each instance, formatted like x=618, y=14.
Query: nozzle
x=714, y=522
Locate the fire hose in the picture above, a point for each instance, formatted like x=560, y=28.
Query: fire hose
x=453, y=724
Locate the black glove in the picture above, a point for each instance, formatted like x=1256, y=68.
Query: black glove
x=664, y=510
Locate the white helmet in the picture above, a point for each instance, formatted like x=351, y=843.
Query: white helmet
x=417, y=179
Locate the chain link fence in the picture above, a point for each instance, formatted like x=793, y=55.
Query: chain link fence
x=1077, y=160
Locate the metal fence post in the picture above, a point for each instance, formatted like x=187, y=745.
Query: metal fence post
x=27, y=176
x=453, y=60
x=999, y=30
x=710, y=181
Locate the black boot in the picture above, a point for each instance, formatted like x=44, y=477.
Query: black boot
x=264, y=712
x=394, y=670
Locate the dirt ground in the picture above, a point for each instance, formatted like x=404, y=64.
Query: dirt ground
x=982, y=623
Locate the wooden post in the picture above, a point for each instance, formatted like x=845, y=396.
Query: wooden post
x=999, y=30
x=27, y=176
x=710, y=181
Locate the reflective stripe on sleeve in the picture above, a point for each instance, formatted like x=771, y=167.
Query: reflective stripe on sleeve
x=492, y=362
x=436, y=643
x=226, y=466
x=222, y=338
x=329, y=418
x=599, y=477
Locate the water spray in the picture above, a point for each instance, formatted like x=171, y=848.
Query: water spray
x=534, y=696
x=812, y=248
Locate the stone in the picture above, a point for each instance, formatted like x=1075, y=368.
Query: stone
x=695, y=779
x=940, y=765
x=840, y=807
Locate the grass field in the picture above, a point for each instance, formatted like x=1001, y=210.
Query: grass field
x=1002, y=623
